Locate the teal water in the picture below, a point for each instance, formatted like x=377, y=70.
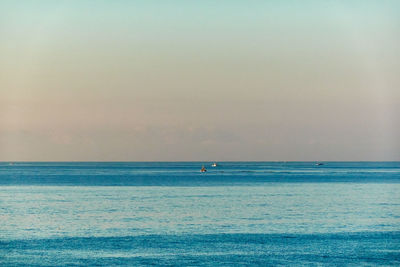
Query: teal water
x=62, y=214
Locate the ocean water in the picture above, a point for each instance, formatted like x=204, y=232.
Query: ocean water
x=170, y=214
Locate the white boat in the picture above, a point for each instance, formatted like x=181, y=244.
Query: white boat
x=214, y=164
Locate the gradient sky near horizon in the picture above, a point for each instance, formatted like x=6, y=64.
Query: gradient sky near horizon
x=199, y=80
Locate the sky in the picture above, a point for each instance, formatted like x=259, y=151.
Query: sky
x=199, y=80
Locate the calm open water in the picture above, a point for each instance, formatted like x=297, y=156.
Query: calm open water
x=240, y=213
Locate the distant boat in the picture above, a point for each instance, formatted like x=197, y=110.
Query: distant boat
x=319, y=164
x=203, y=169
x=214, y=164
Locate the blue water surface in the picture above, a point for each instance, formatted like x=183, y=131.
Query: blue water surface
x=188, y=173
x=170, y=214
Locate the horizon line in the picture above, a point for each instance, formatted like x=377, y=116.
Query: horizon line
x=172, y=161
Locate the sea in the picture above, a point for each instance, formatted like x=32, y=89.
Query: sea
x=171, y=214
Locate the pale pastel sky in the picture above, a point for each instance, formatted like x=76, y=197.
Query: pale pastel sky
x=199, y=80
